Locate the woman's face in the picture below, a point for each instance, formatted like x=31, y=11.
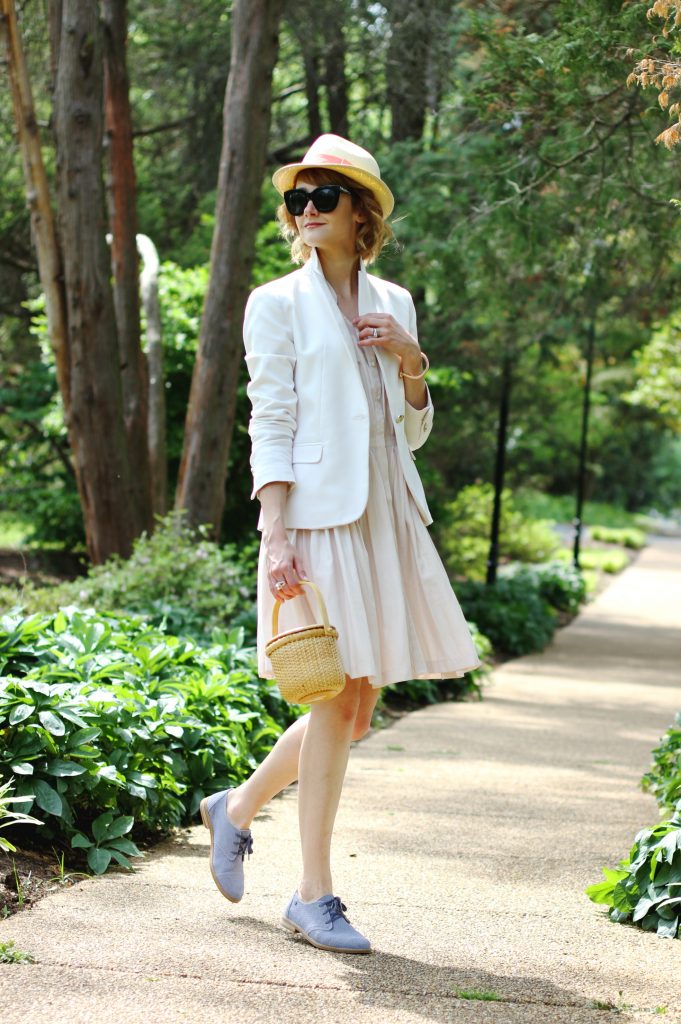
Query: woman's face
x=329, y=231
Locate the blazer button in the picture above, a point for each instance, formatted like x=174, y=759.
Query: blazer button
x=399, y=418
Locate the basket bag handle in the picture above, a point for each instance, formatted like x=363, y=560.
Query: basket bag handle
x=320, y=602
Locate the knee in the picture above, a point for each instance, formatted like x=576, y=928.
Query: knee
x=345, y=706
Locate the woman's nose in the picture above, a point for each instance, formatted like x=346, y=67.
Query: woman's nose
x=310, y=208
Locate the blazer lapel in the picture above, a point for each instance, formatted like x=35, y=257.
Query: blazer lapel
x=370, y=301
x=313, y=267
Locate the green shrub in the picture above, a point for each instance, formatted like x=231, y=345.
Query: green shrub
x=108, y=723
x=646, y=889
x=561, y=509
x=512, y=613
x=596, y=558
x=629, y=537
x=608, y=561
x=464, y=528
x=175, y=578
x=563, y=586
x=664, y=779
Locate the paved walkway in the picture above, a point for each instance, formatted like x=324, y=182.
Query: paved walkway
x=467, y=833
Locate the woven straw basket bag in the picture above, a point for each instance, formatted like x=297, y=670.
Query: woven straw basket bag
x=306, y=660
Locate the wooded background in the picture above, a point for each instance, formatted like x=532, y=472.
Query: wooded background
x=535, y=220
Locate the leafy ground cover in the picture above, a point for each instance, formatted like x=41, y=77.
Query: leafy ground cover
x=645, y=888
x=113, y=727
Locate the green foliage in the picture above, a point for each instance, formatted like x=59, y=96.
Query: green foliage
x=560, y=508
x=646, y=888
x=485, y=995
x=595, y=558
x=563, y=586
x=518, y=612
x=664, y=779
x=108, y=842
x=8, y=817
x=629, y=537
x=658, y=370
x=511, y=613
x=175, y=577
x=37, y=481
x=464, y=528
x=106, y=721
x=9, y=954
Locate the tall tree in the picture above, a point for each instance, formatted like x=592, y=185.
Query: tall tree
x=212, y=401
x=38, y=196
x=98, y=439
x=334, y=75
x=407, y=66
x=123, y=220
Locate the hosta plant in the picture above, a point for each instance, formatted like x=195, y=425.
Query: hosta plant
x=646, y=889
x=664, y=778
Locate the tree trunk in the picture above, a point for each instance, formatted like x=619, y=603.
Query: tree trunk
x=212, y=400
x=407, y=66
x=156, y=424
x=123, y=220
x=334, y=76
x=38, y=199
x=97, y=433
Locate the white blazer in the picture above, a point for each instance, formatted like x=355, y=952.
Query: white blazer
x=310, y=418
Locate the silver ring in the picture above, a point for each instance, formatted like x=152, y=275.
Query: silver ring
x=280, y=584
x=375, y=332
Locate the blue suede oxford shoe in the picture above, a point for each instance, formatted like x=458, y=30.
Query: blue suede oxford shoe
x=324, y=924
x=228, y=846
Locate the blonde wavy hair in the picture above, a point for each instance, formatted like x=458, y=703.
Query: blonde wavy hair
x=372, y=234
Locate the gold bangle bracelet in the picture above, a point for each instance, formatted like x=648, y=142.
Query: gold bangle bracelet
x=417, y=376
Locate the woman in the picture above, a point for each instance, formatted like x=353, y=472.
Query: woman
x=339, y=406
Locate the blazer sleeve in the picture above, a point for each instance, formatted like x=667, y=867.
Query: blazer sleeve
x=418, y=423
x=271, y=360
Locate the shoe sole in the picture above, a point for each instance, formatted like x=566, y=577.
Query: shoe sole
x=289, y=926
x=205, y=818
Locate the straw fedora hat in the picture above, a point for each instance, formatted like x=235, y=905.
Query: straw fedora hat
x=332, y=153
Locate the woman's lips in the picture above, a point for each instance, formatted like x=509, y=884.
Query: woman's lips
x=315, y=224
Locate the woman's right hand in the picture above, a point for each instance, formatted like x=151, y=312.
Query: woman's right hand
x=283, y=563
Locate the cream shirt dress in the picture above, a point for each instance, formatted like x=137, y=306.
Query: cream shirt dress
x=385, y=587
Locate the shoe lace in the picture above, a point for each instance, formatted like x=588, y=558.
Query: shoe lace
x=243, y=845
x=334, y=908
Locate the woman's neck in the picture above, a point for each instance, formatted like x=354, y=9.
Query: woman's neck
x=340, y=270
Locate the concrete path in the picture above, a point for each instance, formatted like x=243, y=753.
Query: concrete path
x=466, y=836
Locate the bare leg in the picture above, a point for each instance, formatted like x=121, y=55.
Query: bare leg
x=323, y=760
x=280, y=767
x=276, y=772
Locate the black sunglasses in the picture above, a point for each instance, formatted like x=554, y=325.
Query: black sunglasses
x=324, y=199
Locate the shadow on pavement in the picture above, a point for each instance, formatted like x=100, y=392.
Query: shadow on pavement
x=381, y=978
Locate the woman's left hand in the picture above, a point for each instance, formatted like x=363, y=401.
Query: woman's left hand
x=390, y=336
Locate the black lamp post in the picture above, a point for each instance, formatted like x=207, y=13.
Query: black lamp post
x=593, y=267
x=584, y=442
x=500, y=466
